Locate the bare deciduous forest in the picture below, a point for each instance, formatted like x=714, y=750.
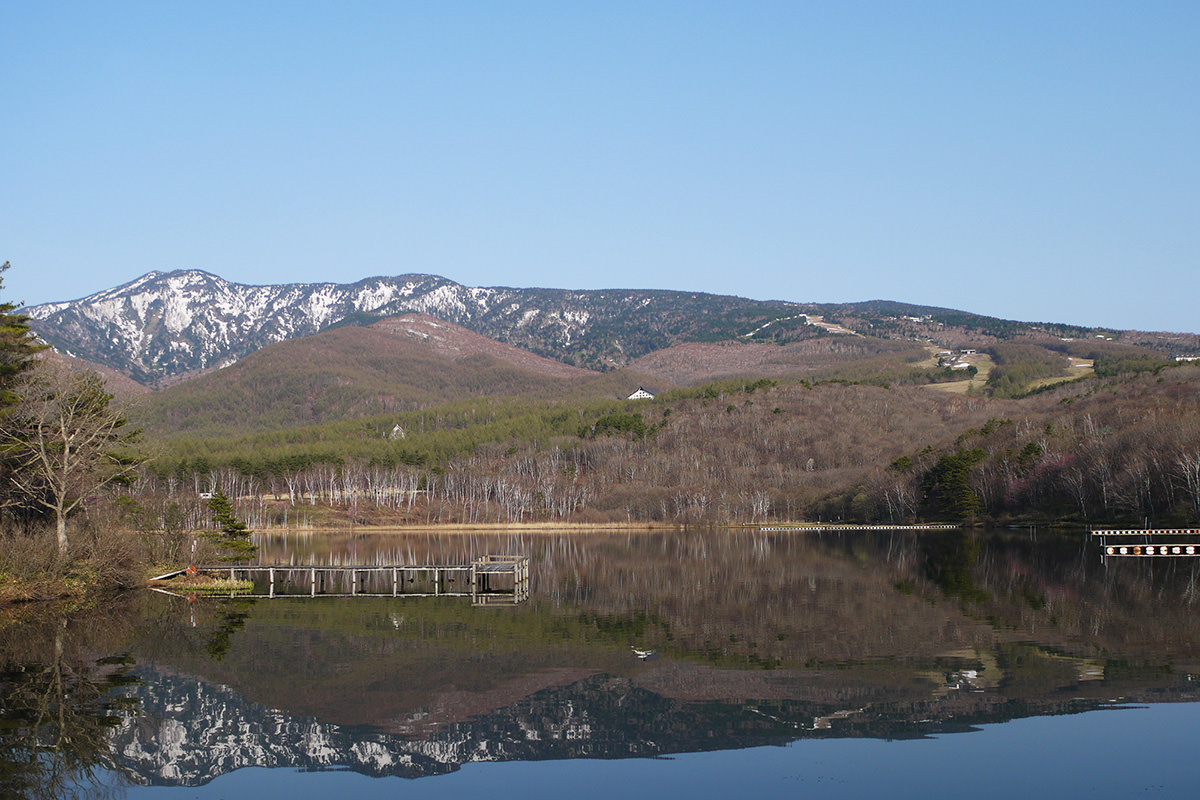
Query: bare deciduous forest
x=1122, y=447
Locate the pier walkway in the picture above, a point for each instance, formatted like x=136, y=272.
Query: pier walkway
x=490, y=580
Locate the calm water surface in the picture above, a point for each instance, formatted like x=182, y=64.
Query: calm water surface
x=714, y=663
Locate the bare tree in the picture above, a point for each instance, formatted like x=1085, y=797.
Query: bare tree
x=66, y=440
x=1187, y=462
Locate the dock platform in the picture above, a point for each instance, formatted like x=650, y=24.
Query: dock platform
x=490, y=580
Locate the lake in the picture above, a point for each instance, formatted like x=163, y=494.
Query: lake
x=716, y=663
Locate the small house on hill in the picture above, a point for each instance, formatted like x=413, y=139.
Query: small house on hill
x=642, y=393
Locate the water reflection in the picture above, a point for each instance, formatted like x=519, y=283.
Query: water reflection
x=59, y=707
x=630, y=645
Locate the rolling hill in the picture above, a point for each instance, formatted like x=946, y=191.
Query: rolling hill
x=401, y=364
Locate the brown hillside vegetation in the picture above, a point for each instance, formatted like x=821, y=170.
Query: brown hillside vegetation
x=1126, y=447
x=699, y=362
x=118, y=384
x=405, y=364
x=456, y=342
x=721, y=455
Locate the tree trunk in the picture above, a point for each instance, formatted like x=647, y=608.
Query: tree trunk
x=61, y=522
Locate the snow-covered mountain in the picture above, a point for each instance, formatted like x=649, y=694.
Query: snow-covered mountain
x=164, y=325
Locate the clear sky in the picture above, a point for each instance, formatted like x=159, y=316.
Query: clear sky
x=1030, y=160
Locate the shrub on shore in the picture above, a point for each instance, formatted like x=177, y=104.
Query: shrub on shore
x=100, y=558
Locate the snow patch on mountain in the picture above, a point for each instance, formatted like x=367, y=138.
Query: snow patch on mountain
x=443, y=299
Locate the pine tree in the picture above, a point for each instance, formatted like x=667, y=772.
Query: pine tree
x=18, y=346
x=234, y=538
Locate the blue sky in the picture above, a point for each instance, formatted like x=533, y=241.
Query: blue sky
x=1035, y=161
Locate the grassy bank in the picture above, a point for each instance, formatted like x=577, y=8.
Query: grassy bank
x=98, y=561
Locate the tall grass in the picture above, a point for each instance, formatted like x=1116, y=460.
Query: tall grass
x=99, y=557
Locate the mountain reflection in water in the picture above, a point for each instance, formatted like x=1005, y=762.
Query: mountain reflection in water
x=756, y=639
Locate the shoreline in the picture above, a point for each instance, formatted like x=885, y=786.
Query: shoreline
x=486, y=527
x=600, y=527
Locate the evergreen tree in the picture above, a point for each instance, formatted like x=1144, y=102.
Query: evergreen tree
x=18, y=346
x=17, y=349
x=948, y=484
x=234, y=538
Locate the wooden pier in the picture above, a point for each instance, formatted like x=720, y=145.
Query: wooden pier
x=1126, y=544
x=490, y=580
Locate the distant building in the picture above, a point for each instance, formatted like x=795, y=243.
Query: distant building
x=642, y=393
x=967, y=351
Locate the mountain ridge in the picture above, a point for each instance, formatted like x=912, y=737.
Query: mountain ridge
x=163, y=327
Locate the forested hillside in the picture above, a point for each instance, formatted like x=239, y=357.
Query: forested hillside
x=1125, y=446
